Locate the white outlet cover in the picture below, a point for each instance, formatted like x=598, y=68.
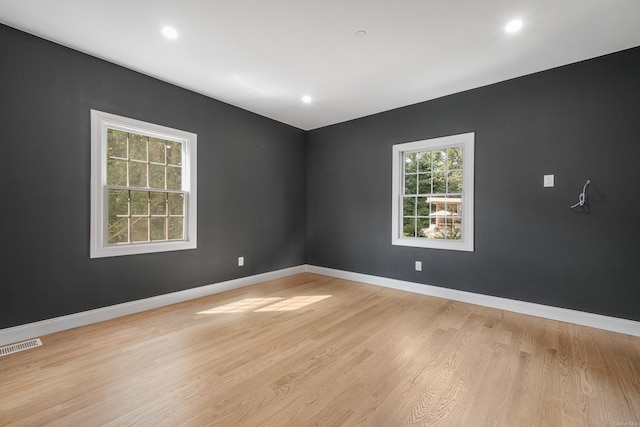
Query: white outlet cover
x=548, y=180
x=240, y=261
x=418, y=265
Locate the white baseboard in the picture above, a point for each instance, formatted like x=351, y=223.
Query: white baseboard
x=44, y=327
x=49, y=326
x=614, y=324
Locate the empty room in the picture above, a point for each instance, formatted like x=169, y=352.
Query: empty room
x=301, y=213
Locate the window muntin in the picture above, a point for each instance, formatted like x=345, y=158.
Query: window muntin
x=433, y=193
x=144, y=182
x=143, y=187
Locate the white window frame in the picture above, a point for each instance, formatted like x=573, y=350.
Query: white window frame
x=467, y=141
x=99, y=246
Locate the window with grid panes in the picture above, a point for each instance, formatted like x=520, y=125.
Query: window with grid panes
x=433, y=193
x=143, y=187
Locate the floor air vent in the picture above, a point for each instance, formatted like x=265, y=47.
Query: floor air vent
x=25, y=345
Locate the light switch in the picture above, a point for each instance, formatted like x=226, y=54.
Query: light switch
x=548, y=180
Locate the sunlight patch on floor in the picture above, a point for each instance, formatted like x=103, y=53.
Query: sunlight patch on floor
x=247, y=304
x=266, y=304
x=294, y=303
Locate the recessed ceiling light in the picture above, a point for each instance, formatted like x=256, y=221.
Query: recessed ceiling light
x=307, y=99
x=513, y=26
x=361, y=34
x=170, y=33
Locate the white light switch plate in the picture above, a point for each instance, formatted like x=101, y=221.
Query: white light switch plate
x=418, y=265
x=548, y=180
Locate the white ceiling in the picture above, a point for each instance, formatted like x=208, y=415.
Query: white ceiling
x=264, y=55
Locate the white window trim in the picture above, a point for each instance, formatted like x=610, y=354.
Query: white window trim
x=467, y=140
x=99, y=246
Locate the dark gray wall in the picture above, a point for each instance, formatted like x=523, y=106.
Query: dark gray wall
x=577, y=122
x=251, y=185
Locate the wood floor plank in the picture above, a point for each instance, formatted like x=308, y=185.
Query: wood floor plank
x=313, y=350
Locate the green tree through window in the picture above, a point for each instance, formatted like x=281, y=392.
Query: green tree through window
x=142, y=162
x=432, y=195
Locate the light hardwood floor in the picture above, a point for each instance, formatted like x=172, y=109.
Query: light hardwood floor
x=363, y=356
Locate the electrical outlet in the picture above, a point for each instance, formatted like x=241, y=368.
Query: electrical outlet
x=240, y=261
x=548, y=180
x=418, y=265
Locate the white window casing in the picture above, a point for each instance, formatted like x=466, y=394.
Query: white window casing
x=460, y=209
x=101, y=124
